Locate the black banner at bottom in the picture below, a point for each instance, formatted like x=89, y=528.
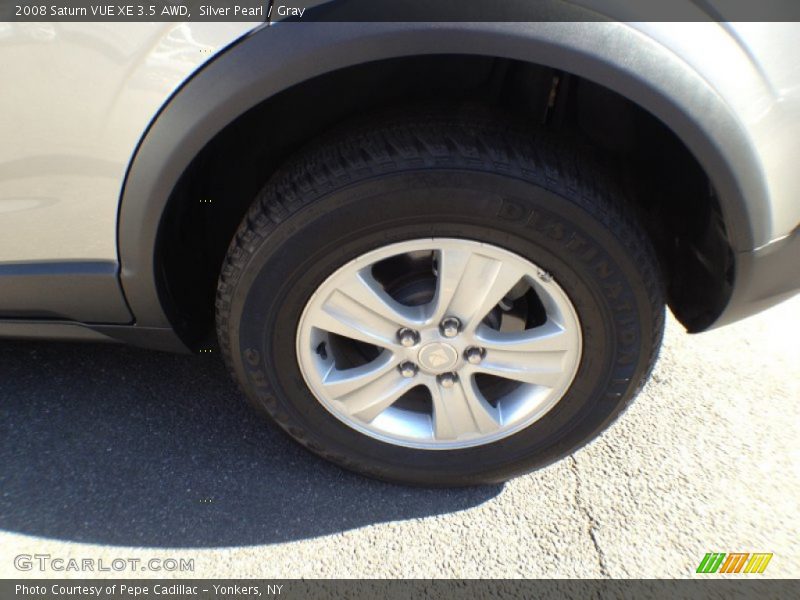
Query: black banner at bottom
x=456, y=589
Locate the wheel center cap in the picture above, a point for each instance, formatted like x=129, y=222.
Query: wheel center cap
x=437, y=357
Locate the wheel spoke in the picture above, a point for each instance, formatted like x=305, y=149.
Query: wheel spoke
x=534, y=356
x=370, y=391
x=470, y=284
x=451, y=265
x=462, y=411
x=340, y=383
x=359, y=309
x=549, y=337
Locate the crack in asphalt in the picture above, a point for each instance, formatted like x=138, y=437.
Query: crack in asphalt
x=590, y=521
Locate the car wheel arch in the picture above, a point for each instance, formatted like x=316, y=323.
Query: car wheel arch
x=274, y=59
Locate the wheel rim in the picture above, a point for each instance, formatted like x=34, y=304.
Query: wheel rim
x=439, y=343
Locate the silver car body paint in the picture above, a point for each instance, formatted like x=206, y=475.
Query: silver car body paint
x=78, y=97
x=755, y=68
x=75, y=100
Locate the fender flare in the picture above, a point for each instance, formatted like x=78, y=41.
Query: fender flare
x=274, y=58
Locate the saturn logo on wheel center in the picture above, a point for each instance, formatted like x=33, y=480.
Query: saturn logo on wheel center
x=438, y=357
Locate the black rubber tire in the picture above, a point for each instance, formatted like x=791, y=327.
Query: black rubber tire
x=424, y=176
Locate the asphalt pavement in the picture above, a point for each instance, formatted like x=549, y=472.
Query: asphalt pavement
x=113, y=452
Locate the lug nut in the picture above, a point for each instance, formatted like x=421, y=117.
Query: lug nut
x=450, y=327
x=447, y=380
x=474, y=355
x=408, y=369
x=408, y=337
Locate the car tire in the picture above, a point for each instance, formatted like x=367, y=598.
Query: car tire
x=389, y=203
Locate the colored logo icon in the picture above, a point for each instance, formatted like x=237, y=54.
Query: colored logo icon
x=741, y=562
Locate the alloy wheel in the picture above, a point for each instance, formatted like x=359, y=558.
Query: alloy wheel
x=439, y=343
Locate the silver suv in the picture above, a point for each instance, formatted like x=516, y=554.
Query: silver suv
x=433, y=252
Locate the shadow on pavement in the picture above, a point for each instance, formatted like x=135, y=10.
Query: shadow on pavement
x=114, y=445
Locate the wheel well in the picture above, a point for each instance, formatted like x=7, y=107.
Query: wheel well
x=666, y=186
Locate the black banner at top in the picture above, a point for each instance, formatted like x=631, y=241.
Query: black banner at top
x=397, y=10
